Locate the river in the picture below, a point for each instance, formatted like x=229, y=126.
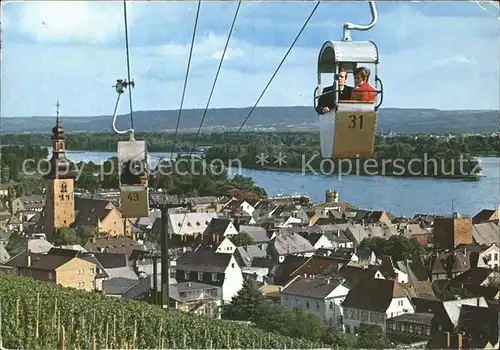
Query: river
x=398, y=195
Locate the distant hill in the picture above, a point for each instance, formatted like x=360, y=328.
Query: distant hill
x=401, y=121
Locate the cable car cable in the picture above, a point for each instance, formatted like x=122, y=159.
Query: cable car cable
x=128, y=61
x=185, y=84
x=186, y=78
x=213, y=88
x=216, y=77
x=279, y=66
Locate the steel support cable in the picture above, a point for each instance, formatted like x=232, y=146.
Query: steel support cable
x=279, y=66
x=184, y=93
x=216, y=77
x=212, y=91
x=128, y=62
x=186, y=78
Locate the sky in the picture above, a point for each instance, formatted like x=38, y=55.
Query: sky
x=442, y=55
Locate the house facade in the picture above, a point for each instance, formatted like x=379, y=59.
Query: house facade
x=322, y=297
x=386, y=300
x=211, y=268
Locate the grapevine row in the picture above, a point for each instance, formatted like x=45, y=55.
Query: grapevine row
x=37, y=315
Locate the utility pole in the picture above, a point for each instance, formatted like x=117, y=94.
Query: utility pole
x=165, y=259
x=154, y=255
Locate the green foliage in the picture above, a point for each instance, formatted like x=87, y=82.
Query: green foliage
x=17, y=244
x=115, y=323
x=250, y=305
x=370, y=337
x=65, y=236
x=13, y=157
x=68, y=236
x=247, y=146
x=445, y=291
x=242, y=239
x=399, y=247
x=246, y=301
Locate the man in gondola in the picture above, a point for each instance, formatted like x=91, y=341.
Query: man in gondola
x=327, y=100
x=132, y=173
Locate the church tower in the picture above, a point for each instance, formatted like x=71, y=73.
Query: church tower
x=60, y=196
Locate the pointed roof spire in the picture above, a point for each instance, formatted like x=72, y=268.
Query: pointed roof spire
x=57, y=109
x=58, y=129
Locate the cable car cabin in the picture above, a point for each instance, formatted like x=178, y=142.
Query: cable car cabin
x=133, y=178
x=348, y=111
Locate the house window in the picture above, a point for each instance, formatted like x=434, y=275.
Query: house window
x=186, y=275
x=317, y=305
x=496, y=257
x=307, y=304
x=200, y=276
x=400, y=302
x=331, y=305
x=50, y=275
x=214, y=277
x=91, y=271
x=287, y=301
x=364, y=316
x=232, y=265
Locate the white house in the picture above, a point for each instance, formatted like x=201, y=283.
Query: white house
x=373, y=301
x=290, y=222
x=226, y=247
x=220, y=227
x=189, y=223
x=208, y=267
x=401, y=276
x=322, y=297
x=491, y=257
x=290, y=244
x=247, y=208
x=318, y=240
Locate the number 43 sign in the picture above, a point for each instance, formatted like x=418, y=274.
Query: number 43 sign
x=134, y=204
x=354, y=134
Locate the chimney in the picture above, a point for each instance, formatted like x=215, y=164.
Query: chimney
x=28, y=255
x=328, y=281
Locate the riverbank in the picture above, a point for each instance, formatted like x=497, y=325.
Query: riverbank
x=475, y=177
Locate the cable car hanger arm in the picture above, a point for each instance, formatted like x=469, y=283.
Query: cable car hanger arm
x=120, y=85
x=351, y=26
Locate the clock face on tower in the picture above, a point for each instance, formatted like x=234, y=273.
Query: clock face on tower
x=64, y=187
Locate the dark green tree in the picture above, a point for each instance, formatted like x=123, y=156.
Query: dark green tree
x=65, y=236
x=242, y=239
x=246, y=301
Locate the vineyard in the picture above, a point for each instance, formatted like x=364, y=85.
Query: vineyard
x=36, y=315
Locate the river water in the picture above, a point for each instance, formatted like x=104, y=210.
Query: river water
x=398, y=195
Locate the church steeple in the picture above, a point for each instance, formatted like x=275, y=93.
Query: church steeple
x=60, y=166
x=58, y=131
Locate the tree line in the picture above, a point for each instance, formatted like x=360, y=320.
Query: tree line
x=397, y=146
x=179, y=178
